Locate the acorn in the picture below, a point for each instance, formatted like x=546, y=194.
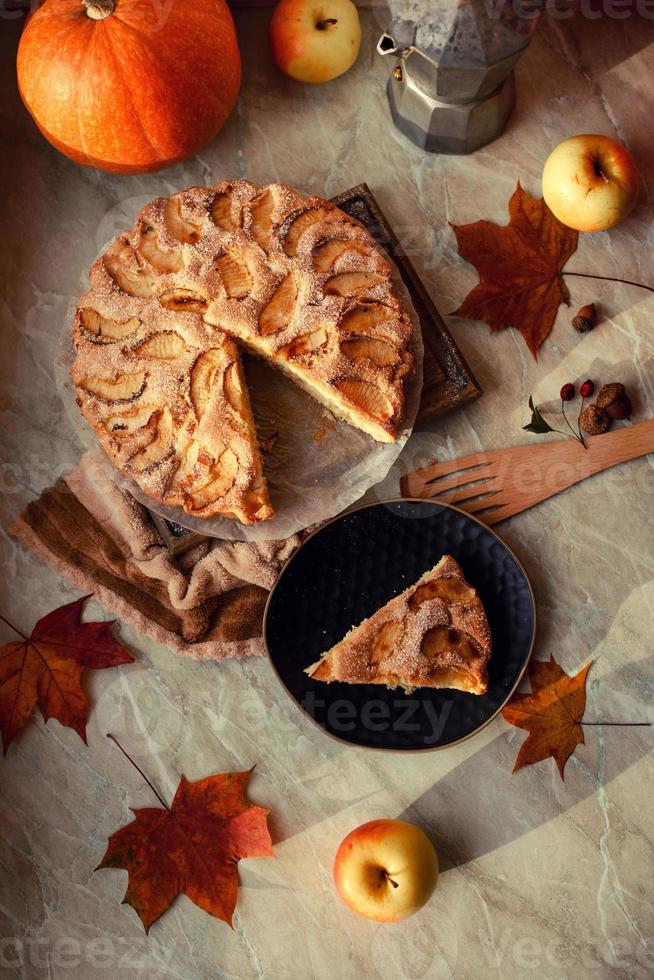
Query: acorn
x=614, y=400
x=585, y=318
x=594, y=420
x=620, y=409
x=610, y=393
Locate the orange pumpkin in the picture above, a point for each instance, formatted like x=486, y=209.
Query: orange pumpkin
x=129, y=85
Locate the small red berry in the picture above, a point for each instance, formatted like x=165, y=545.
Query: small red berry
x=587, y=389
x=567, y=392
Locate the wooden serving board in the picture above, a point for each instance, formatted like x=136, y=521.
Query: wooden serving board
x=448, y=381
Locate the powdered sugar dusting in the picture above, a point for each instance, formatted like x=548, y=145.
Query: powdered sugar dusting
x=440, y=643
x=164, y=276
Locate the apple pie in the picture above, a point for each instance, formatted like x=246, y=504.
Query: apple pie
x=203, y=275
x=435, y=634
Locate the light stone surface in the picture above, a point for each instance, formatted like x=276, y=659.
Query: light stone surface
x=541, y=877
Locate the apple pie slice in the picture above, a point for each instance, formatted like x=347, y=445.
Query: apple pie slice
x=435, y=634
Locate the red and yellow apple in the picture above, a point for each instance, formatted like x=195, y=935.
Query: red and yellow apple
x=386, y=870
x=315, y=40
x=590, y=182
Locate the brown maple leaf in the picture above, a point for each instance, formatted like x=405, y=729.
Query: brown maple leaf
x=192, y=848
x=551, y=714
x=45, y=669
x=519, y=266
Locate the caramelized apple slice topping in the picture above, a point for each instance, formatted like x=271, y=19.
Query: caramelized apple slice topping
x=261, y=210
x=302, y=223
x=164, y=260
x=448, y=588
x=347, y=283
x=322, y=670
x=233, y=388
x=306, y=344
x=183, y=229
x=255, y=503
x=125, y=388
x=235, y=276
x=103, y=330
x=129, y=422
x=203, y=376
x=222, y=212
x=367, y=397
x=123, y=267
x=164, y=346
x=185, y=470
x=368, y=349
x=222, y=477
x=159, y=448
x=385, y=641
x=365, y=318
x=445, y=639
x=183, y=301
x=326, y=254
x=453, y=677
x=279, y=311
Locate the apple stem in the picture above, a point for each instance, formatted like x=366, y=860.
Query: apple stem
x=138, y=769
x=11, y=626
x=322, y=25
x=627, y=282
x=395, y=884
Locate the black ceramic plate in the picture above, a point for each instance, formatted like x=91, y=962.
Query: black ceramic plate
x=350, y=568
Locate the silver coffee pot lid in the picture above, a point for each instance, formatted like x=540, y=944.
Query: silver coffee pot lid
x=467, y=33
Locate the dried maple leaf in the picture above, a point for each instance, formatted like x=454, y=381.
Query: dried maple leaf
x=519, y=266
x=551, y=714
x=45, y=669
x=192, y=848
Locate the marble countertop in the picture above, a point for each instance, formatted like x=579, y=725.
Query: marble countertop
x=541, y=877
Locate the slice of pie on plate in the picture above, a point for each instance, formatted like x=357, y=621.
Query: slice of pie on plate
x=435, y=634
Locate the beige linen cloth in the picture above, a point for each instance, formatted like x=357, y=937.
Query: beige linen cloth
x=207, y=604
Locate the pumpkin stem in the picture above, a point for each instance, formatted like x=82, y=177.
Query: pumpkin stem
x=99, y=9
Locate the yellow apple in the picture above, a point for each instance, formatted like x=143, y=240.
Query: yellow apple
x=590, y=182
x=386, y=870
x=315, y=41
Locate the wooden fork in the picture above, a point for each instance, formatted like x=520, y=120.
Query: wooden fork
x=498, y=484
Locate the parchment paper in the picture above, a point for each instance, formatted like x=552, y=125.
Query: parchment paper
x=317, y=466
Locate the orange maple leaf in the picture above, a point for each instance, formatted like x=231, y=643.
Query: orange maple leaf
x=45, y=669
x=551, y=714
x=519, y=266
x=192, y=848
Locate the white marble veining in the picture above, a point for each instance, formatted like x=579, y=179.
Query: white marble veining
x=541, y=878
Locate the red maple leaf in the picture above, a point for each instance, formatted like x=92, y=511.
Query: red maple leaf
x=552, y=713
x=519, y=266
x=192, y=848
x=45, y=669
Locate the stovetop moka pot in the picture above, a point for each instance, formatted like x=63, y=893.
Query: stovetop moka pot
x=452, y=88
